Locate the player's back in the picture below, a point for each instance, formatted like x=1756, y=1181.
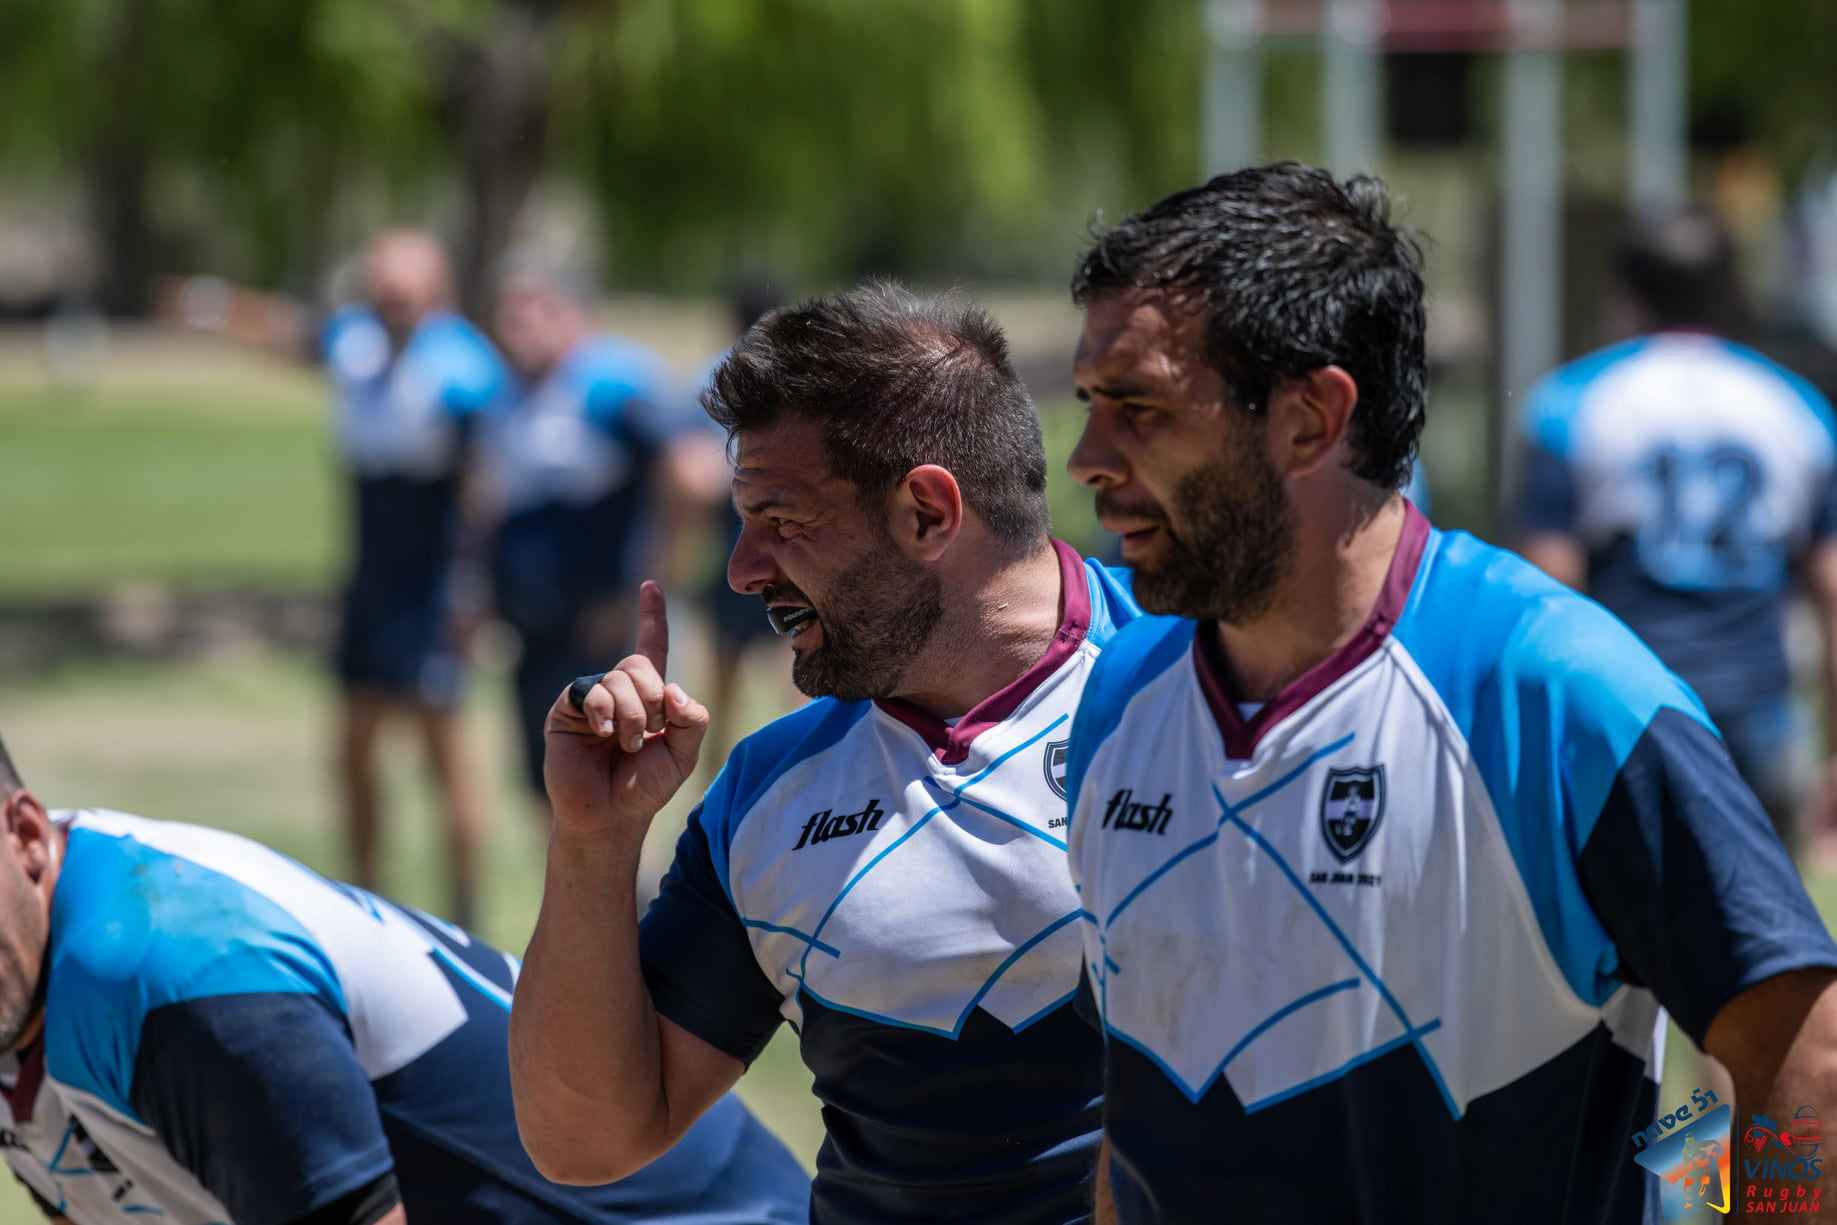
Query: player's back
x=1695, y=473
x=230, y=1037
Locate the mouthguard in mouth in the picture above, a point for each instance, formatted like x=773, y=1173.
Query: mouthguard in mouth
x=786, y=618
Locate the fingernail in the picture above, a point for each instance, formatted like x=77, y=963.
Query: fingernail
x=635, y=743
x=606, y=728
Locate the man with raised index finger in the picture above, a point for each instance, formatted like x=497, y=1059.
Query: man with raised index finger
x=884, y=868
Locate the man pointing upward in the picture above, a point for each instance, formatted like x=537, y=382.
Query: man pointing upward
x=885, y=868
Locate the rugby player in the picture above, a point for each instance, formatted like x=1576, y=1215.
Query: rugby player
x=1684, y=482
x=411, y=378
x=197, y=1029
x=885, y=868
x=1391, y=848
x=582, y=448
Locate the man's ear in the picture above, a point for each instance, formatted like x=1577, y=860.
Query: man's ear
x=927, y=511
x=1309, y=418
x=28, y=832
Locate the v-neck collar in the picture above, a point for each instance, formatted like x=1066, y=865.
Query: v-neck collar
x=1241, y=735
x=952, y=744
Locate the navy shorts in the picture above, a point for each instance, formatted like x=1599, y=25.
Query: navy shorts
x=399, y=648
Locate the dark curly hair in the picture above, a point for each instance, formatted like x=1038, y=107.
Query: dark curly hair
x=1293, y=270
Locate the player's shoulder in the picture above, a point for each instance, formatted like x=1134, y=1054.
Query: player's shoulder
x=1112, y=592
x=608, y=365
x=138, y=923
x=1490, y=632
x=457, y=354
x=1793, y=390
x=761, y=759
x=1556, y=399
x=1142, y=650
x=353, y=344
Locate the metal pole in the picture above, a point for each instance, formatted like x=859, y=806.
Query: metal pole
x=1657, y=96
x=1531, y=302
x=1352, y=101
x=1233, y=120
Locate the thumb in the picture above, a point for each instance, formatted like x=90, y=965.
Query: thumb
x=686, y=723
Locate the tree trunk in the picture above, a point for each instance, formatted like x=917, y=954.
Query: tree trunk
x=503, y=111
x=120, y=161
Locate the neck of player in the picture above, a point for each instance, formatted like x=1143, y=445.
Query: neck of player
x=1342, y=554
x=1000, y=620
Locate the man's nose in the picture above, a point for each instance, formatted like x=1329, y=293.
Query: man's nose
x=1095, y=461
x=750, y=566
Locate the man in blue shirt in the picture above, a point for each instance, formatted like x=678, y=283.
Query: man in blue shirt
x=583, y=471
x=1685, y=482
x=411, y=379
x=885, y=868
x=1391, y=849
x=196, y=1029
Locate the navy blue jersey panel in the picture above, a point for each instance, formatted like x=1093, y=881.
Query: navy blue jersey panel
x=1685, y=872
x=1005, y=1122
x=1727, y=644
x=454, y=1098
x=1377, y=1147
x=262, y=1098
x=697, y=960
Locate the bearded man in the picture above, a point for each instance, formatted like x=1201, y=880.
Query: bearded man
x=885, y=868
x=1433, y=837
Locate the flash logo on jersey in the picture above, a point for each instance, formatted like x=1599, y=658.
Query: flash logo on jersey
x=1351, y=806
x=821, y=826
x=1124, y=813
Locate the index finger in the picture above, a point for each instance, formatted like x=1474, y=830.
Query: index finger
x=653, y=626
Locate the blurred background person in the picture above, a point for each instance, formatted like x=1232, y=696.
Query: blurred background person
x=736, y=621
x=1684, y=481
x=412, y=378
x=587, y=481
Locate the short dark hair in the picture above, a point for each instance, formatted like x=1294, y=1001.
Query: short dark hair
x=896, y=380
x=1679, y=266
x=1293, y=270
x=9, y=776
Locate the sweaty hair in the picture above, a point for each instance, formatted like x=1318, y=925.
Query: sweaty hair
x=896, y=380
x=1292, y=270
x=1678, y=265
x=9, y=777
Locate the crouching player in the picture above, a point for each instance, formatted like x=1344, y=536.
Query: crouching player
x=199, y=1029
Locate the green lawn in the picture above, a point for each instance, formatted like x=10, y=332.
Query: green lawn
x=164, y=487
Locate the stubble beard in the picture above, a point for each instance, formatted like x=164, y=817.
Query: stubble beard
x=881, y=616
x=1234, y=547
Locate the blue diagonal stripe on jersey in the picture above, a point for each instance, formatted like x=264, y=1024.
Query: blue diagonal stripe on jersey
x=1231, y=816
x=957, y=796
x=812, y=941
x=1412, y=1038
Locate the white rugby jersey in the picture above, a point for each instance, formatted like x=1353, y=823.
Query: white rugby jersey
x=897, y=890
x=1394, y=949
x=1696, y=473
x=229, y=1037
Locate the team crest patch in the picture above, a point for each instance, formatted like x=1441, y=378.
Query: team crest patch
x=1057, y=753
x=1350, y=808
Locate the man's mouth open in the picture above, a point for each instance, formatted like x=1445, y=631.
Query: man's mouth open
x=790, y=618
